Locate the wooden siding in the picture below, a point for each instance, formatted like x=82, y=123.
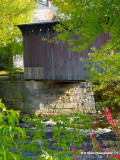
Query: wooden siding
x=36, y=72
x=52, y=61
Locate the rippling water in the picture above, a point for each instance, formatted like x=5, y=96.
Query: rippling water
x=101, y=129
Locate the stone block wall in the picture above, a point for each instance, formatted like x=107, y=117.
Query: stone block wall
x=47, y=97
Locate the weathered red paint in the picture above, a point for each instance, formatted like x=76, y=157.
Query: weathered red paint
x=58, y=62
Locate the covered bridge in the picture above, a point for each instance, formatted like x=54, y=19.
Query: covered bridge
x=50, y=61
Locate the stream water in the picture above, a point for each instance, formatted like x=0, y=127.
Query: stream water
x=104, y=135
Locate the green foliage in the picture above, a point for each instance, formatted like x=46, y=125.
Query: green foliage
x=38, y=134
x=108, y=79
x=13, y=12
x=66, y=133
x=11, y=137
x=45, y=156
x=87, y=19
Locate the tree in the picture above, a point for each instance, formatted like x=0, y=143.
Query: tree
x=13, y=12
x=87, y=19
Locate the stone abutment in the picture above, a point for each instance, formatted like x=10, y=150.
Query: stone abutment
x=47, y=97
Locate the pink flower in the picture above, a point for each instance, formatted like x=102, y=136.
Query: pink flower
x=113, y=122
x=109, y=117
x=93, y=136
x=73, y=149
x=106, y=151
x=118, y=156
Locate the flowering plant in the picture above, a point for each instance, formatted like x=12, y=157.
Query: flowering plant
x=115, y=124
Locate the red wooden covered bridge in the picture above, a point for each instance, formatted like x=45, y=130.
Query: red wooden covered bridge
x=50, y=61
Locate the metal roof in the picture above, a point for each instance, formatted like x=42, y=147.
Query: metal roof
x=43, y=15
